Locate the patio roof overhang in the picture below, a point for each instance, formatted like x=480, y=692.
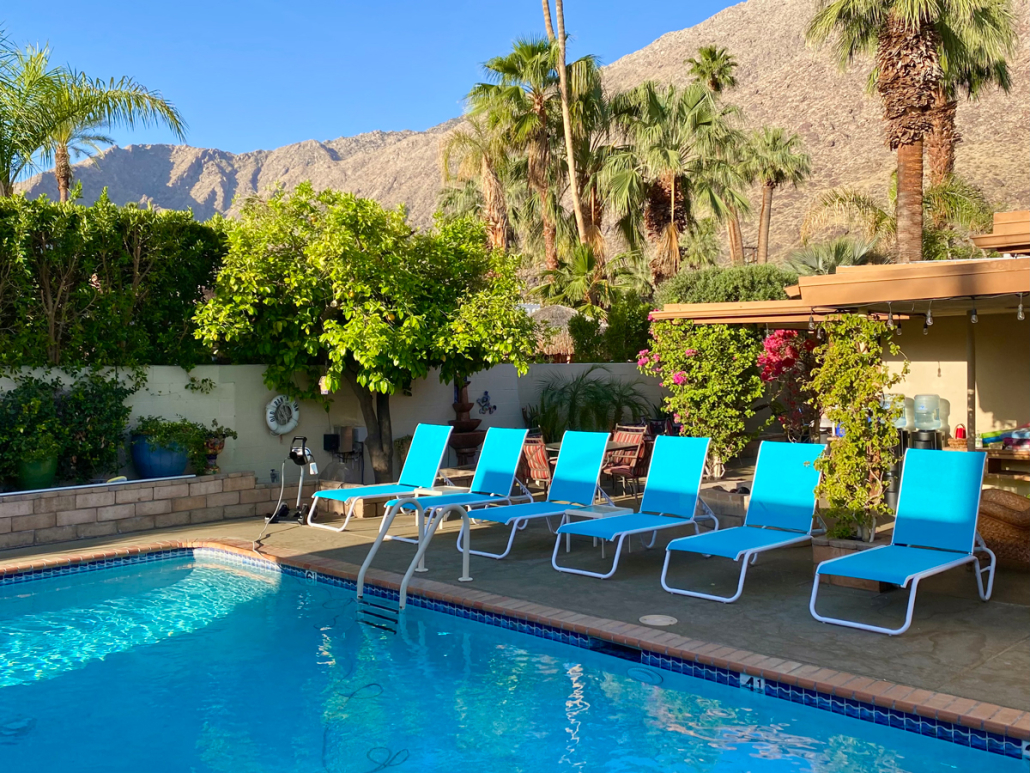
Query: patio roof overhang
x=952, y=286
x=1011, y=233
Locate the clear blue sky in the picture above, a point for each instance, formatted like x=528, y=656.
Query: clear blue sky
x=264, y=73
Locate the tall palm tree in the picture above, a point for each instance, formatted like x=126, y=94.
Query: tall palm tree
x=29, y=89
x=518, y=102
x=776, y=159
x=476, y=152
x=583, y=282
x=905, y=37
x=563, y=88
x=972, y=62
x=714, y=70
x=89, y=106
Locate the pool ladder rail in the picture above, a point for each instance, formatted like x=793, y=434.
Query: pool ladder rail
x=384, y=613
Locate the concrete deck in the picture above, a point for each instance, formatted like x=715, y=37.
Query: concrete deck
x=957, y=644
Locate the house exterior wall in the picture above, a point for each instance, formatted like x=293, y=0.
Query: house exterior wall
x=937, y=365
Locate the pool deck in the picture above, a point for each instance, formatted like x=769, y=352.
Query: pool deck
x=962, y=661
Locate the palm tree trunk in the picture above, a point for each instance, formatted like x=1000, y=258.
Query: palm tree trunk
x=566, y=117
x=736, y=240
x=494, y=207
x=764, y=219
x=909, y=210
x=63, y=171
x=547, y=19
x=942, y=138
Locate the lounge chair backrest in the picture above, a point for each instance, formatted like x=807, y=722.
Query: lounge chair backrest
x=783, y=492
x=498, y=461
x=939, y=499
x=674, y=477
x=428, y=446
x=578, y=468
x=535, y=464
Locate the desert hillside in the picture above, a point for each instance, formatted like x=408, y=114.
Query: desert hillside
x=782, y=82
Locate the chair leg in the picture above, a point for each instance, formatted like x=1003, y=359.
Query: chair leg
x=989, y=569
x=584, y=572
x=744, y=561
x=515, y=527
x=863, y=626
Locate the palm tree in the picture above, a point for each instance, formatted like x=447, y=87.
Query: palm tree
x=29, y=89
x=666, y=167
x=478, y=153
x=827, y=257
x=583, y=282
x=775, y=160
x=972, y=61
x=714, y=68
x=563, y=88
x=89, y=106
x=952, y=210
x=905, y=36
x=517, y=103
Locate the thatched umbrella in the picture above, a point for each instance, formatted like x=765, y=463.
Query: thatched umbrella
x=554, y=340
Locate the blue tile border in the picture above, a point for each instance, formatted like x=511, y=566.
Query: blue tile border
x=945, y=731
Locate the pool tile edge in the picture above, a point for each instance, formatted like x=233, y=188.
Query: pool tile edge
x=985, y=726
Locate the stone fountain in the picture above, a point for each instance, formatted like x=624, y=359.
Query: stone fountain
x=465, y=438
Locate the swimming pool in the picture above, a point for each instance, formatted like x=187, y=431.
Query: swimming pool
x=192, y=664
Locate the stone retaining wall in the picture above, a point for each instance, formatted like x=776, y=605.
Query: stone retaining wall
x=61, y=515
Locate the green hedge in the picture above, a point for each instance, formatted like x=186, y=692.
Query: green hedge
x=727, y=285
x=102, y=285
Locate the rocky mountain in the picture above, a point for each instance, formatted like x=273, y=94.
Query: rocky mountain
x=782, y=82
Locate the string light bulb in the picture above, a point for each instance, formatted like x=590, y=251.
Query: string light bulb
x=890, y=316
x=897, y=330
x=926, y=328
x=929, y=316
x=973, y=317
x=819, y=335
x=811, y=322
x=1019, y=309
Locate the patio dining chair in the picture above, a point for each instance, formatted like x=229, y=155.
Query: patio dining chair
x=626, y=464
x=536, y=464
x=935, y=531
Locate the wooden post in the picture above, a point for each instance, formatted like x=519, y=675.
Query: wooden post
x=970, y=382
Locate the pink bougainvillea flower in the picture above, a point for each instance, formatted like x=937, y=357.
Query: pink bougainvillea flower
x=690, y=352
x=675, y=417
x=642, y=362
x=679, y=378
x=650, y=317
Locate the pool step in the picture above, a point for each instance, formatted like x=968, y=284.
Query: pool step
x=379, y=613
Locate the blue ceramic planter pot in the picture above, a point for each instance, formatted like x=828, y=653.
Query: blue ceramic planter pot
x=159, y=462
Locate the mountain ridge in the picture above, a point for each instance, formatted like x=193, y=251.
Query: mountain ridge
x=782, y=82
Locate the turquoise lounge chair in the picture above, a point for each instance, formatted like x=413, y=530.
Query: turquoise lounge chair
x=574, y=484
x=935, y=531
x=779, y=514
x=491, y=485
x=428, y=445
x=670, y=501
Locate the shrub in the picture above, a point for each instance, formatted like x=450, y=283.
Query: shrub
x=95, y=419
x=620, y=340
x=102, y=285
x=786, y=362
x=711, y=374
x=727, y=285
x=585, y=402
x=31, y=429
x=849, y=384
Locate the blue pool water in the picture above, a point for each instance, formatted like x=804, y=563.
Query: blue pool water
x=194, y=665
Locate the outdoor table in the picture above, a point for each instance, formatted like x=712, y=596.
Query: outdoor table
x=610, y=446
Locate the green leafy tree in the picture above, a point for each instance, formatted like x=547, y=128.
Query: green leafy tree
x=329, y=284
x=95, y=419
x=620, y=339
x=711, y=377
x=775, y=159
x=476, y=153
x=31, y=429
x=849, y=384
x=583, y=282
x=913, y=43
x=727, y=285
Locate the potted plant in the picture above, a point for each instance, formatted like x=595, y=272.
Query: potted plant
x=848, y=384
x=163, y=449
x=31, y=433
x=214, y=445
